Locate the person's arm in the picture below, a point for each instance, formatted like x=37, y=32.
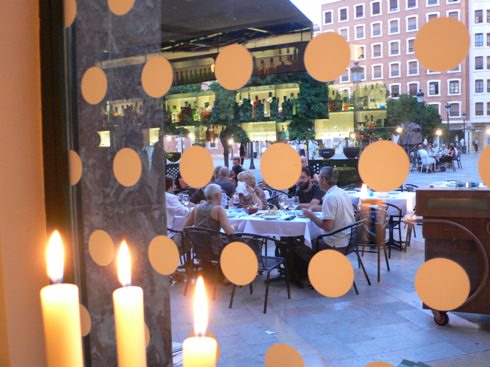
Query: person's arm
x=176, y=206
x=224, y=222
x=325, y=224
x=190, y=219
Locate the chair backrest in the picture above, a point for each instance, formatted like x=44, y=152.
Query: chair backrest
x=206, y=244
x=375, y=224
x=392, y=209
x=356, y=233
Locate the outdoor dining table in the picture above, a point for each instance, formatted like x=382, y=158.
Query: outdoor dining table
x=402, y=199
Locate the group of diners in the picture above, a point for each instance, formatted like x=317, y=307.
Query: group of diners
x=316, y=193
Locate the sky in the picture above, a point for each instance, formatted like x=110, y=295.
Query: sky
x=311, y=8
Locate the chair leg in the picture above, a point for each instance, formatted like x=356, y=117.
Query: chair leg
x=216, y=275
x=379, y=267
x=386, y=259
x=287, y=280
x=251, y=288
x=355, y=288
x=363, y=268
x=267, y=282
x=232, y=296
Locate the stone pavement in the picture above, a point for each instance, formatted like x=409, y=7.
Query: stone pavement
x=385, y=322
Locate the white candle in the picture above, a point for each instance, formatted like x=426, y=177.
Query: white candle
x=129, y=315
x=364, y=192
x=200, y=351
x=410, y=203
x=60, y=306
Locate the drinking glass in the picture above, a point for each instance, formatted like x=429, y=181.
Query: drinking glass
x=185, y=199
x=283, y=202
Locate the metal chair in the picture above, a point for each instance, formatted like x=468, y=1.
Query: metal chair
x=205, y=249
x=355, y=231
x=373, y=238
x=394, y=225
x=267, y=263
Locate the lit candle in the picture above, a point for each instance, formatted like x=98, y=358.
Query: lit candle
x=128, y=315
x=200, y=350
x=410, y=203
x=364, y=192
x=60, y=306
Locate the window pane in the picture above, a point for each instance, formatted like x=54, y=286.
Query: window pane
x=454, y=110
x=479, y=40
x=395, y=90
x=479, y=108
x=479, y=62
x=479, y=86
x=328, y=17
x=375, y=8
x=412, y=89
x=478, y=16
x=359, y=11
x=411, y=4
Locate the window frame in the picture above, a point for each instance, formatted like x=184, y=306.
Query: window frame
x=411, y=8
x=372, y=24
x=417, y=83
x=389, y=26
x=390, y=69
x=399, y=89
x=363, y=26
x=399, y=48
x=439, y=87
x=339, y=12
x=331, y=17
x=449, y=87
x=372, y=50
x=372, y=71
x=408, y=67
x=363, y=11
x=407, y=23
x=380, y=8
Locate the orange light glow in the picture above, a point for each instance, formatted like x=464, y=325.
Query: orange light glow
x=201, y=308
x=124, y=265
x=55, y=258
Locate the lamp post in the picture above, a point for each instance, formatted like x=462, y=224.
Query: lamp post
x=465, y=150
x=420, y=100
x=252, y=165
x=448, y=110
x=356, y=72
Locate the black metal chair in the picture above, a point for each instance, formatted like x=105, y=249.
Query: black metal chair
x=351, y=248
x=205, y=249
x=373, y=238
x=266, y=263
x=183, y=252
x=394, y=226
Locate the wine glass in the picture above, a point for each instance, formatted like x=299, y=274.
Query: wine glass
x=283, y=202
x=185, y=199
x=295, y=202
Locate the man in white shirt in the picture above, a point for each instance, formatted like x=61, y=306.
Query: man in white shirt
x=337, y=209
x=173, y=205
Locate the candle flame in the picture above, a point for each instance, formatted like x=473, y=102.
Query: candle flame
x=200, y=308
x=55, y=258
x=124, y=265
x=364, y=191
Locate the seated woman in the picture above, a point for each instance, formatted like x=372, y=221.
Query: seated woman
x=249, y=193
x=181, y=186
x=450, y=155
x=210, y=214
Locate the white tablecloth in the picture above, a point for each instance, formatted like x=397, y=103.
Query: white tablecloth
x=274, y=228
x=404, y=200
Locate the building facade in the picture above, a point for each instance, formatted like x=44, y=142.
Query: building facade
x=381, y=34
x=479, y=71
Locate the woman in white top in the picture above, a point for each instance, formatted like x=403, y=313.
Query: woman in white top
x=173, y=205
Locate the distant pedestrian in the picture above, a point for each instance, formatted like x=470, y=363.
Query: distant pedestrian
x=475, y=145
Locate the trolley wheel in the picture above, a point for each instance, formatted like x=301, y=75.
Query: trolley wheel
x=440, y=318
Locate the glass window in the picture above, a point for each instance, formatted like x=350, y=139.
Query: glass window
x=479, y=108
x=479, y=63
x=395, y=90
x=453, y=14
x=394, y=26
x=376, y=29
x=410, y=43
x=327, y=17
x=478, y=16
x=479, y=86
x=432, y=2
x=377, y=50
x=432, y=16
x=375, y=8
x=433, y=88
x=345, y=76
x=488, y=85
x=454, y=109
x=377, y=71
x=343, y=15
x=412, y=24
x=479, y=40
x=488, y=16
x=488, y=62
x=344, y=32
x=394, y=48
x=411, y=4
x=395, y=69
x=359, y=32
x=413, y=89
x=413, y=67
x=488, y=39
x=393, y=5
x=359, y=11
x=488, y=108
x=454, y=87
x=360, y=52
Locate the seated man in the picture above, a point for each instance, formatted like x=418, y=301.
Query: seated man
x=337, y=210
x=309, y=193
x=210, y=214
x=225, y=182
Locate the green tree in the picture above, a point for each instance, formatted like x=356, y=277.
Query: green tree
x=407, y=109
x=225, y=114
x=312, y=105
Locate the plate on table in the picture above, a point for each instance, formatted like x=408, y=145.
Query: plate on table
x=270, y=217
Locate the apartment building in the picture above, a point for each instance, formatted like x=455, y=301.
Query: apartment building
x=479, y=71
x=382, y=34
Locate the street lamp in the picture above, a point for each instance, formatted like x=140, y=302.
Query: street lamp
x=420, y=99
x=464, y=132
x=399, y=130
x=356, y=73
x=448, y=111
x=438, y=134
